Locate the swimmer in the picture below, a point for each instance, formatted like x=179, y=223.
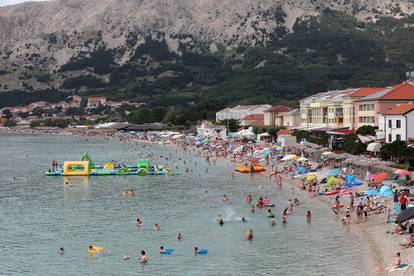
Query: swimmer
x=61, y=251
x=284, y=220
x=249, y=199
x=161, y=249
x=272, y=221
x=143, y=259
x=309, y=216
x=126, y=258
x=179, y=237
x=138, y=222
x=157, y=227
x=243, y=220
x=225, y=198
x=249, y=235
x=270, y=214
x=252, y=209
x=195, y=250
x=220, y=220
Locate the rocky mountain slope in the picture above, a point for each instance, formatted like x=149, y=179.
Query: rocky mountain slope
x=150, y=47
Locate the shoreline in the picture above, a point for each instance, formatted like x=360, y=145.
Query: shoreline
x=381, y=245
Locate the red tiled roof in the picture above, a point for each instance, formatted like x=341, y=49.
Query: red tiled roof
x=402, y=91
x=254, y=117
x=278, y=108
x=366, y=91
x=284, y=132
x=257, y=123
x=400, y=109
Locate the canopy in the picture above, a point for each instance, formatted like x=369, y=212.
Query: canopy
x=386, y=191
x=86, y=157
x=332, y=181
x=247, y=134
x=351, y=181
x=334, y=172
x=405, y=215
x=374, y=147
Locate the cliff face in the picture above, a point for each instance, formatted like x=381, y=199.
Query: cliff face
x=44, y=36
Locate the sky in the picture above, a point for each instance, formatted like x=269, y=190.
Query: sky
x=11, y=2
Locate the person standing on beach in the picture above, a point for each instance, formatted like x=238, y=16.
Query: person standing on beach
x=351, y=203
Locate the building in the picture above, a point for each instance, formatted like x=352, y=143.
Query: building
x=369, y=108
x=240, y=112
x=3, y=122
x=285, y=138
x=398, y=123
x=208, y=129
x=324, y=110
x=274, y=115
x=253, y=120
x=291, y=119
x=94, y=102
x=348, y=104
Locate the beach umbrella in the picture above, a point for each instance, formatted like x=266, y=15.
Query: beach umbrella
x=405, y=215
x=402, y=172
x=302, y=159
x=386, y=191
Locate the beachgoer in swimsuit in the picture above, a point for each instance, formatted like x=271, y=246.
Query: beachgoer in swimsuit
x=249, y=235
x=157, y=227
x=179, y=236
x=144, y=258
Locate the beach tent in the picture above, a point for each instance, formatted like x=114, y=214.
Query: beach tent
x=311, y=177
x=247, y=134
x=86, y=157
x=301, y=170
x=332, y=181
x=351, y=181
x=372, y=192
x=386, y=191
x=402, y=172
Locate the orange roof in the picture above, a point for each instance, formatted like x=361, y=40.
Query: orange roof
x=366, y=91
x=254, y=117
x=400, y=109
x=402, y=91
x=257, y=123
x=278, y=108
x=284, y=132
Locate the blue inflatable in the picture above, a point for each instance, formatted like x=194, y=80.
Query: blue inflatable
x=167, y=251
x=202, y=251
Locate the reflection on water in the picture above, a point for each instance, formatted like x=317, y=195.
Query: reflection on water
x=39, y=218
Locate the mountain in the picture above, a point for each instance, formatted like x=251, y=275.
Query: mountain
x=174, y=52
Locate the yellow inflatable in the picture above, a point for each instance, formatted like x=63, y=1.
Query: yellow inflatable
x=254, y=169
x=72, y=168
x=94, y=249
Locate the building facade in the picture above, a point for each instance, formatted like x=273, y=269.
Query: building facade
x=274, y=115
x=240, y=112
x=398, y=123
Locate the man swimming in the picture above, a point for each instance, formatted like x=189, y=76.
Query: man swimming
x=220, y=220
x=157, y=227
x=249, y=235
x=179, y=237
x=61, y=251
x=143, y=259
x=138, y=222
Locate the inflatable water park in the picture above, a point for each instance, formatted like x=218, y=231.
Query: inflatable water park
x=86, y=167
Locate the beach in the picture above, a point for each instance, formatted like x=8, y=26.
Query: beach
x=382, y=246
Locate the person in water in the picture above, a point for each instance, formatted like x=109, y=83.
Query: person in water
x=161, y=249
x=179, y=237
x=249, y=235
x=196, y=250
x=243, y=220
x=144, y=258
x=309, y=216
x=252, y=209
x=265, y=201
x=157, y=227
x=61, y=251
x=397, y=261
x=225, y=198
x=138, y=222
x=270, y=214
x=249, y=199
x=272, y=221
x=220, y=220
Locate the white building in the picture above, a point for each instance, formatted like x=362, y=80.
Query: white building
x=397, y=123
x=291, y=119
x=208, y=129
x=241, y=111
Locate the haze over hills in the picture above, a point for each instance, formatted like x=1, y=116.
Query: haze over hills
x=171, y=52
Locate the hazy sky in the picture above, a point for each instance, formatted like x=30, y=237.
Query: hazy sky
x=11, y=2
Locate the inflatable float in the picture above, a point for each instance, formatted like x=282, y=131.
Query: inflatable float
x=253, y=169
x=202, y=251
x=167, y=251
x=95, y=249
x=86, y=167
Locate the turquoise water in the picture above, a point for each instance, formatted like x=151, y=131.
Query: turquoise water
x=39, y=214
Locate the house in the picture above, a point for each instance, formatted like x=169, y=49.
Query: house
x=285, y=138
x=369, y=108
x=94, y=102
x=291, y=119
x=240, y=111
x=274, y=115
x=253, y=120
x=398, y=123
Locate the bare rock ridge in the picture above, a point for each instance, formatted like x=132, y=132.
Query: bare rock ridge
x=46, y=35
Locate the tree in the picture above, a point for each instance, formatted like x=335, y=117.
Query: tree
x=353, y=145
x=10, y=123
x=397, y=151
x=366, y=130
x=7, y=114
x=170, y=117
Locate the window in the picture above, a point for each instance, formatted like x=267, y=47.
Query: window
x=398, y=123
x=398, y=137
x=389, y=138
x=389, y=123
